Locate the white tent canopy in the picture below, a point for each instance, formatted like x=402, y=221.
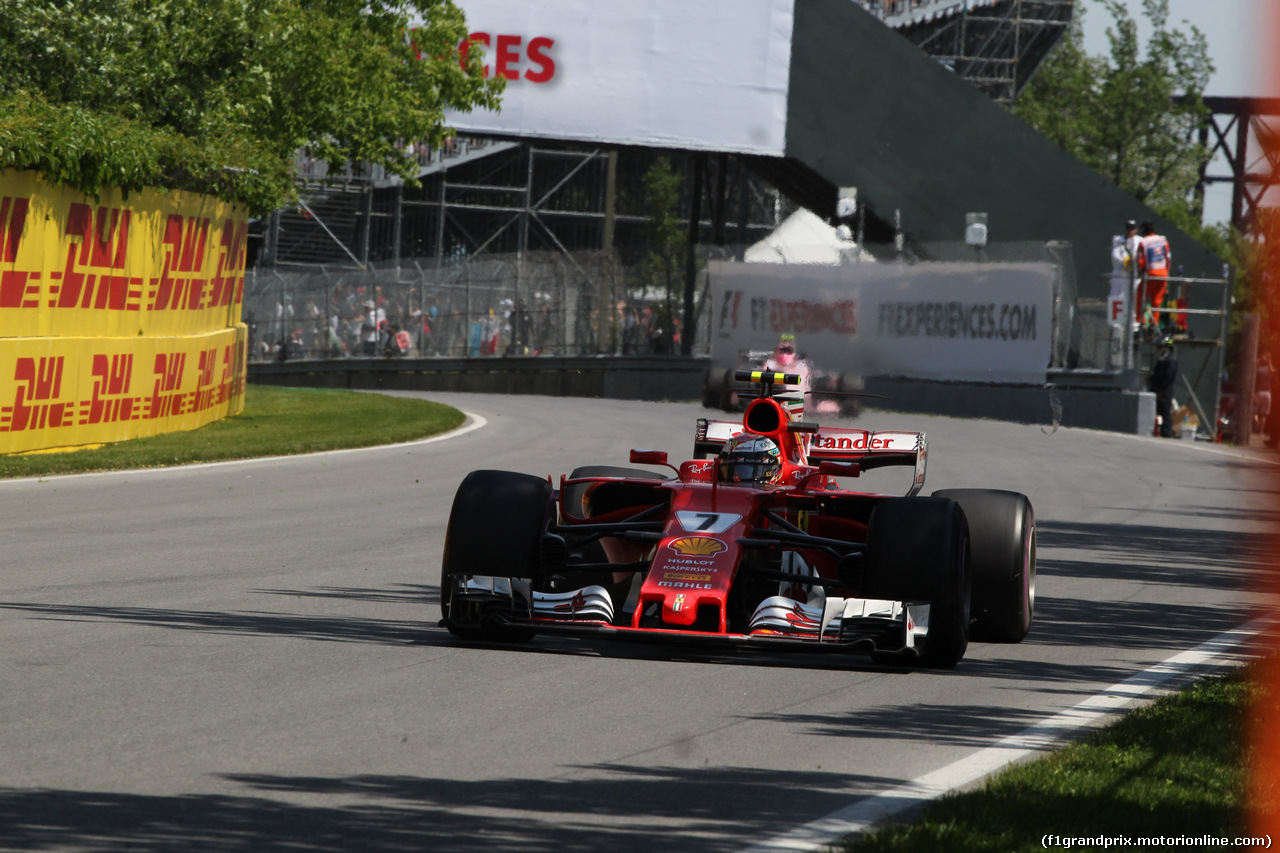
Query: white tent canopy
x=804, y=238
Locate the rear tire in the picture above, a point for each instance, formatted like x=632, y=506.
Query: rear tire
x=495, y=529
x=918, y=550
x=1002, y=531
x=851, y=407
x=715, y=388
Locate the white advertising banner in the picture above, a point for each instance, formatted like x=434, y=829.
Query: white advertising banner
x=667, y=73
x=943, y=321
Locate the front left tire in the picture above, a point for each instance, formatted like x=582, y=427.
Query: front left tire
x=495, y=529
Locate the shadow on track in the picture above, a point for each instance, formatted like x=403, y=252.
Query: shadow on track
x=1147, y=554
x=1130, y=624
x=619, y=808
x=330, y=628
x=974, y=726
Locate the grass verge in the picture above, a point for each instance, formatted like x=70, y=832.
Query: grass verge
x=275, y=422
x=1176, y=767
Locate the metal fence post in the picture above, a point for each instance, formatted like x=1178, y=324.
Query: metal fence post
x=395, y=247
x=1222, y=348
x=1246, y=374
x=368, y=226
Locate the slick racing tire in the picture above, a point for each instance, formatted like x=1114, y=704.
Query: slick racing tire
x=495, y=529
x=1002, y=542
x=594, y=552
x=850, y=407
x=715, y=388
x=918, y=550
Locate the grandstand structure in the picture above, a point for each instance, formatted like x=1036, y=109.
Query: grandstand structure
x=996, y=45
x=796, y=103
x=530, y=234
x=489, y=194
x=494, y=196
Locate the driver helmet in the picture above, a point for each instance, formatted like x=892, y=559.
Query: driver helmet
x=785, y=352
x=750, y=459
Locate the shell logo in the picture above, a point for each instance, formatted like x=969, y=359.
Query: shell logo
x=697, y=546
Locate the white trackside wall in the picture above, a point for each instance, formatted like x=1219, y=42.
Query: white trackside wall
x=667, y=73
x=941, y=321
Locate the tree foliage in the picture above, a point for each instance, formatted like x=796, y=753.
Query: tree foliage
x=1117, y=112
x=662, y=268
x=217, y=95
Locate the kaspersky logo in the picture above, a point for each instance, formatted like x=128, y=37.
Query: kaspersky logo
x=697, y=546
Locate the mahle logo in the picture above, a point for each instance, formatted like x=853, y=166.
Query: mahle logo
x=697, y=546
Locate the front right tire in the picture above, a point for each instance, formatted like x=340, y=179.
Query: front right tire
x=918, y=550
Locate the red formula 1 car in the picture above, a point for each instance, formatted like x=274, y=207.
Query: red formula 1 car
x=757, y=546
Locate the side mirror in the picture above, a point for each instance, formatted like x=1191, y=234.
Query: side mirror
x=832, y=469
x=652, y=457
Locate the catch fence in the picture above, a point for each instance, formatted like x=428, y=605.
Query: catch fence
x=537, y=303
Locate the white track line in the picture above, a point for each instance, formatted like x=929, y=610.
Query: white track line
x=864, y=814
x=473, y=422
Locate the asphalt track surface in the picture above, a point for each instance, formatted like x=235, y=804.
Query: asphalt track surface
x=245, y=656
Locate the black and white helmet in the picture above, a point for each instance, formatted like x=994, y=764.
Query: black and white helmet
x=750, y=459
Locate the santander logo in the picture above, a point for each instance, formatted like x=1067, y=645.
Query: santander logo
x=513, y=57
x=862, y=442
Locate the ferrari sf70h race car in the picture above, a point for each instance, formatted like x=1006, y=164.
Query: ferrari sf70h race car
x=756, y=546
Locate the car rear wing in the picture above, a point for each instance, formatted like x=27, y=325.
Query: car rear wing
x=870, y=449
x=710, y=436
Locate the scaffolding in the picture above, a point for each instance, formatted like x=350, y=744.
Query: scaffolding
x=499, y=248
x=1243, y=131
x=996, y=46
x=494, y=197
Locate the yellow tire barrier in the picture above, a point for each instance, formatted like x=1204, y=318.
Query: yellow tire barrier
x=119, y=317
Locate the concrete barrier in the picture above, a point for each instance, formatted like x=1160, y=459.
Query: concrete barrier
x=677, y=378
x=619, y=378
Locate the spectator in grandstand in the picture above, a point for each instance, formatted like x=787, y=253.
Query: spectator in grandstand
x=424, y=339
x=630, y=329
x=297, y=345
x=386, y=338
x=374, y=317
x=334, y=347
x=490, y=331
x=518, y=324
x=284, y=319
x=543, y=329
x=395, y=342
x=1153, y=261
x=659, y=342
x=644, y=331
x=251, y=321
